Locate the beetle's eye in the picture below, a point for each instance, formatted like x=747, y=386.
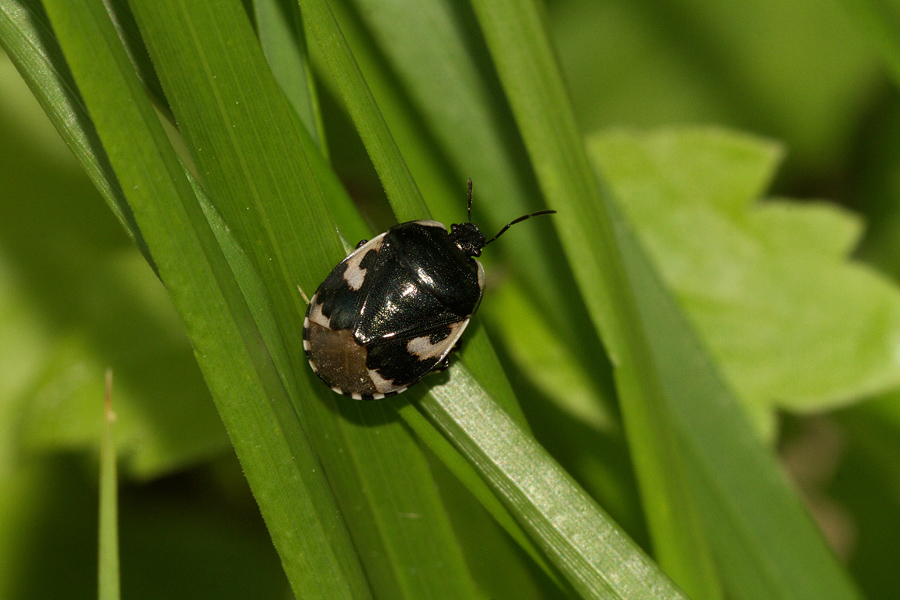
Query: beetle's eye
x=453, y=227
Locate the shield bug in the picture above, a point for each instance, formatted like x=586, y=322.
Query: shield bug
x=394, y=309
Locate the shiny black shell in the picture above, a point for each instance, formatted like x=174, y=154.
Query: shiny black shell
x=393, y=310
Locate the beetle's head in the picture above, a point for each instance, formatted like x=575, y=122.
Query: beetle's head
x=467, y=238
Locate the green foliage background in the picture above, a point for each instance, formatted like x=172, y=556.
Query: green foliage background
x=714, y=306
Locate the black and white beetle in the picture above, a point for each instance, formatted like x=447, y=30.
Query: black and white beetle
x=393, y=310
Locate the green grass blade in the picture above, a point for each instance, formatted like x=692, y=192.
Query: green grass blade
x=261, y=177
x=589, y=549
x=395, y=176
x=450, y=114
x=249, y=393
x=526, y=65
x=405, y=199
x=108, y=568
x=577, y=559
x=280, y=29
x=477, y=485
x=716, y=501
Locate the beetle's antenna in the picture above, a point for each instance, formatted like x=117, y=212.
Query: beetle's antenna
x=519, y=220
x=470, y=200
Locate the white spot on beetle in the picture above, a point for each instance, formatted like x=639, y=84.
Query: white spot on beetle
x=381, y=384
x=423, y=349
x=354, y=274
x=316, y=316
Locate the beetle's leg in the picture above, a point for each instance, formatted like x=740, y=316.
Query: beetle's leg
x=361, y=244
x=443, y=365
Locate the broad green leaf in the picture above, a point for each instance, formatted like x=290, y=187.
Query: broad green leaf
x=769, y=285
x=722, y=518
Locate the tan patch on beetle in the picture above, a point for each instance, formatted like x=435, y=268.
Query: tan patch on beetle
x=337, y=354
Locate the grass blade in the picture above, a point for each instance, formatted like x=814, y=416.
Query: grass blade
x=268, y=439
x=583, y=573
x=108, y=571
x=694, y=452
x=260, y=172
x=589, y=549
x=280, y=29
x=395, y=176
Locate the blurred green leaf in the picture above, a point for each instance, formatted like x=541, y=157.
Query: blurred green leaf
x=789, y=69
x=92, y=302
x=791, y=321
x=25, y=33
x=879, y=20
